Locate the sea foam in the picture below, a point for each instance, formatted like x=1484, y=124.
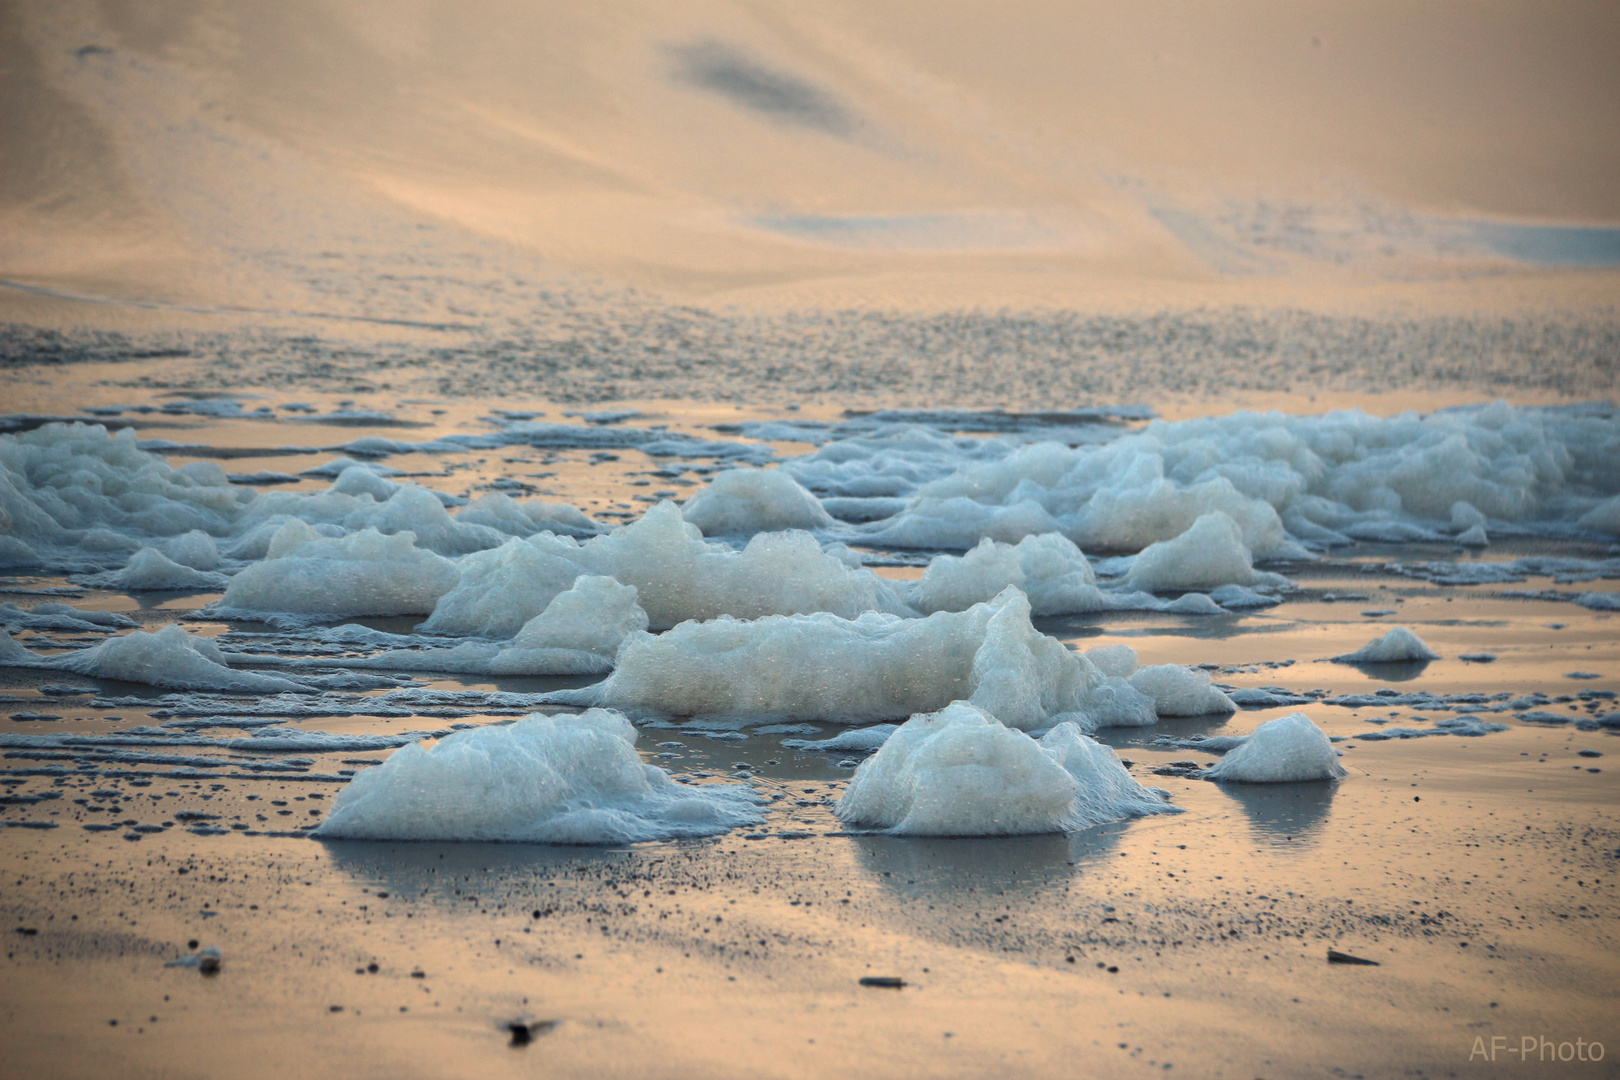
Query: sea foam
x=1289, y=748
x=545, y=779
x=960, y=772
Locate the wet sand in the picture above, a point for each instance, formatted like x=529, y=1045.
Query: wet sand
x=1477, y=872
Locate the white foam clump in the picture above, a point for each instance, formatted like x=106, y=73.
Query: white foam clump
x=744, y=501
x=1604, y=517
x=505, y=514
x=63, y=617
x=677, y=575
x=890, y=464
x=339, y=465
x=149, y=570
x=959, y=772
x=875, y=667
x=1052, y=571
x=1326, y=478
x=170, y=657
x=195, y=549
x=60, y=481
x=1470, y=525
x=960, y=522
x=1287, y=749
x=1180, y=691
x=1210, y=553
x=494, y=593
x=14, y=552
x=360, y=499
x=1465, y=515
x=1241, y=598
x=856, y=739
x=1115, y=660
x=577, y=634
x=365, y=573
x=1114, y=702
x=545, y=779
x=1399, y=645
x=1113, y=498
x=1049, y=568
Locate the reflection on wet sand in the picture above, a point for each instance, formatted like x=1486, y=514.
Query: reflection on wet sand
x=1284, y=813
x=1391, y=671
x=437, y=873
x=1024, y=866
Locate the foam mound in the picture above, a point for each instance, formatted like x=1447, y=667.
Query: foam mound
x=63, y=617
x=1181, y=691
x=577, y=634
x=14, y=552
x=171, y=657
x=1115, y=660
x=1397, y=646
x=545, y=779
x=365, y=573
x=61, y=479
x=860, y=740
x=959, y=772
x=506, y=515
x=958, y=523
x=1603, y=518
x=676, y=573
x=1323, y=480
x=1209, y=554
x=872, y=468
x=195, y=549
x=875, y=667
x=360, y=499
x=496, y=592
x=1049, y=568
x=1287, y=749
x=744, y=501
x=1114, y=702
x=149, y=570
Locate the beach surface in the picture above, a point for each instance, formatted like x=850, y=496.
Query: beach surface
x=316, y=252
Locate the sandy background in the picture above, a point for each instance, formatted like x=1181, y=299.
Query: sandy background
x=348, y=157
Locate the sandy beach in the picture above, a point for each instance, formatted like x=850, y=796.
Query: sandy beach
x=518, y=281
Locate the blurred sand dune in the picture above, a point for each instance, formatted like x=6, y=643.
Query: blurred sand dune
x=910, y=152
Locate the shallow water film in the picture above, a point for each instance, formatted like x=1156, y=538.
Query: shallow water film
x=738, y=540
